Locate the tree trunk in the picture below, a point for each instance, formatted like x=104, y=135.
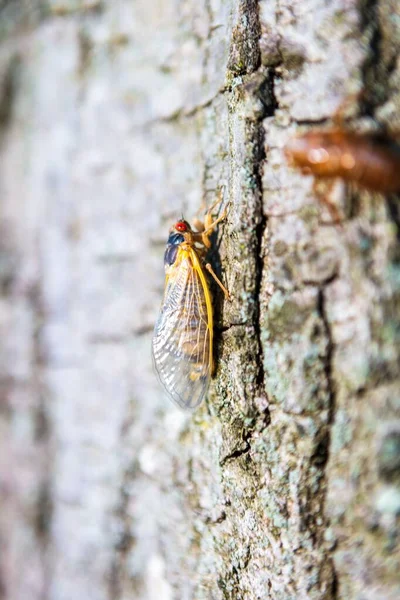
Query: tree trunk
x=116, y=116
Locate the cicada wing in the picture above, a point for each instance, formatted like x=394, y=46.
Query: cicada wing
x=182, y=342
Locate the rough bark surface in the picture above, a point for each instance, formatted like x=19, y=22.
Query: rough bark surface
x=116, y=116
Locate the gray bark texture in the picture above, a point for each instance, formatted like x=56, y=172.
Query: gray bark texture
x=116, y=116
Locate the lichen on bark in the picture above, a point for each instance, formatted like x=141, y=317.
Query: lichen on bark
x=115, y=118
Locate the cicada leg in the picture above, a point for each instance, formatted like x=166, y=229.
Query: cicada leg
x=201, y=225
x=203, y=233
x=221, y=285
x=323, y=191
x=205, y=228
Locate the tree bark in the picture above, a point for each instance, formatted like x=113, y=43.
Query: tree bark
x=114, y=118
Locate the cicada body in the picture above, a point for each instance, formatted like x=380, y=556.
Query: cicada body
x=183, y=335
x=369, y=161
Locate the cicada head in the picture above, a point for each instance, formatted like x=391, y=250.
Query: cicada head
x=179, y=233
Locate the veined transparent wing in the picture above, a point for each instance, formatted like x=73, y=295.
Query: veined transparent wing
x=182, y=342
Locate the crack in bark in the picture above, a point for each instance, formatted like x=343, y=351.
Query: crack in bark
x=374, y=73
x=225, y=328
x=236, y=453
x=222, y=517
x=310, y=122
x=322, y=452
x=270, y=104
x=257, y=325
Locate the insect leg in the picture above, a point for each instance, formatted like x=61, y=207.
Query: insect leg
x=324, y=195
x=208, y=217
x=203, y=235
x=207, y=222
x=221, y=285
x=211, y=226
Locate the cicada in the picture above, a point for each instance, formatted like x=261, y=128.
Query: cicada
x=183, y=334
x=370, y=161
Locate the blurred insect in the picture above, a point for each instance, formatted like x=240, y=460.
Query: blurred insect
x=183, y=335
x=370, y=161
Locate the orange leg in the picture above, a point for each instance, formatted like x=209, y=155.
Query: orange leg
x=205, y=229
x=221, y=285
x=203, y=233
x=201, y=225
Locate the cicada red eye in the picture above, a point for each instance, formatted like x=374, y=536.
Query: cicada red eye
x=181, y=226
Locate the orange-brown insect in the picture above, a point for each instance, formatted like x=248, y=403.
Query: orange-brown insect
x=370, y=161
x=183, y=335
